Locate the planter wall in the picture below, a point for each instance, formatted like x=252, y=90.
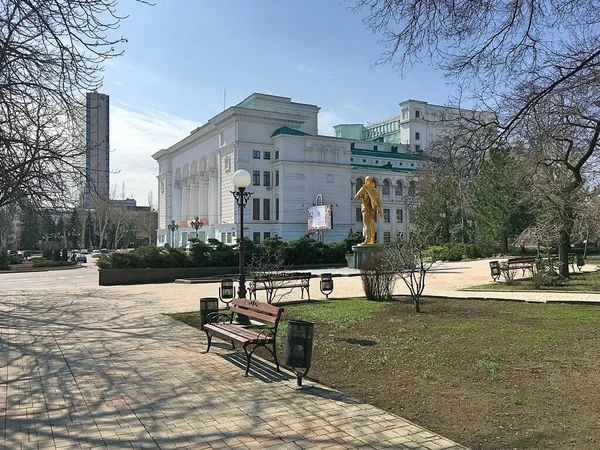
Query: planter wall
x=111, y=277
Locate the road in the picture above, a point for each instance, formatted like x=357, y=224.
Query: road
x=86, y=276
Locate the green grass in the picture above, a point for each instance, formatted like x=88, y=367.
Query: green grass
x=340, y=313
x=578, y=282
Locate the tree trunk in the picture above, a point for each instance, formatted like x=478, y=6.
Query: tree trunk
x=563, y=253
x=504, y=244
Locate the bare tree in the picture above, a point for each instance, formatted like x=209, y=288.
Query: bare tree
x=534, y=62
x=411, y=262
x=51, y=53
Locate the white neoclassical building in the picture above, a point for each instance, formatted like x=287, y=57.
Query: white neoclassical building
x=277, y=142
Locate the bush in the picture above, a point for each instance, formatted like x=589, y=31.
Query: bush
x=47, y=253
x=56, y=256
x=4, y=260
x=377, y=279
x=40, y=262
x=146, y=257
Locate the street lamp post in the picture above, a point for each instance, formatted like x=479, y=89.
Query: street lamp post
x=172, y=227
x=241, y=180
x=197, y=224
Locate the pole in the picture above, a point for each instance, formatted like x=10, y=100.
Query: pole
x=242, y=280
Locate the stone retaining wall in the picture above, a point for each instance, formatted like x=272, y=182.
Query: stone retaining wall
x=111, y=277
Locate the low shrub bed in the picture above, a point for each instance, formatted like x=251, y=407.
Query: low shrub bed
x=41, y=262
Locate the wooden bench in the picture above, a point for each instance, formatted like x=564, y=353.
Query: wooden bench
x=270, y=283
x=262, y=331
x=520, y=263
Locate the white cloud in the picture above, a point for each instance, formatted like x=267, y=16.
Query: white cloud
x=135, y=134
x=305, y=68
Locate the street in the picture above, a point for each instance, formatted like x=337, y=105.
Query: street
x=87, y=275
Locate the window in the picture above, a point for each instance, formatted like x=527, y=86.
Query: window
x=374, y=148
x=256, y=209
x=266, y=209
x=358, y=215
x=276, y=209
x=256, y=154
x=351, y=159
x=417, y=148
x=229, y=238
x=222, y=237
x=412, y=188
x=266, y=178
x=277, y=178
x=276, y=154
x=266, y=235
x=386, y=215
x=256, y=237
x=405, y=113
x=417, y=113
x=385, y=190
x=266, y=155
x=359, y=184
x=256, y=178
x=399, y=214
x=417, y=136
x=387, y=236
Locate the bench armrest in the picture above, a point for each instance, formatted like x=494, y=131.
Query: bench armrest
x=219, y=317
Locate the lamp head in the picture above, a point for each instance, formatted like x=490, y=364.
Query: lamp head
x=241, y=179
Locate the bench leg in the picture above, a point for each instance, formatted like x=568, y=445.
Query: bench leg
x=248, y=357
x=209, y=338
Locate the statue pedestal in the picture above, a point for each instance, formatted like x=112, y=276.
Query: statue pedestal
x=360, y=253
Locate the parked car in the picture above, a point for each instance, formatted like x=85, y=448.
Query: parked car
x=16, y=257
x=84, y=251
x=96, y=254
x=104, y=251
x=80, y=257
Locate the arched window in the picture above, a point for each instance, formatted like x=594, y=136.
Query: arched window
x=399, y=189
x=359, y=184
x=412, y=188
x=385, y=190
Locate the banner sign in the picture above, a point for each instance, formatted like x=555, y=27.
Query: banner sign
x=320, y=217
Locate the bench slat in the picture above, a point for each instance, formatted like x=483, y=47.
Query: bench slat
x=239, y=334
x=242, y=330
x=254, y=315
x=257, y=306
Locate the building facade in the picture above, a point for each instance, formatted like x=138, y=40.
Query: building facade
x=292, y=168
x=417, y=126
x=97, y=155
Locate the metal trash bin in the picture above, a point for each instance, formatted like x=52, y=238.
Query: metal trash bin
x=326, y=284
x=208, y=305
x=298, y=348
x=226, y=291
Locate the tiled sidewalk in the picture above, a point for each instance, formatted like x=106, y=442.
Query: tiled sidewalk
x=101, y=368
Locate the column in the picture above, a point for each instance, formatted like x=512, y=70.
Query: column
x=194, y=190
x=185, y=207
x=203, y=198
x=212, y=197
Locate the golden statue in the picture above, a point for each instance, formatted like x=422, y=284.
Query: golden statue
x=370, y=205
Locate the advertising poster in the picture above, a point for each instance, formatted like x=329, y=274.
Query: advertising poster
x=320, y=217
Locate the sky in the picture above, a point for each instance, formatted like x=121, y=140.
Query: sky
x=182, y=56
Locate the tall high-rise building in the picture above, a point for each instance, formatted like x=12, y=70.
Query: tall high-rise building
x=97, y=148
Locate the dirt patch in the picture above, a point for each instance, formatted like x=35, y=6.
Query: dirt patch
x=490, y=375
